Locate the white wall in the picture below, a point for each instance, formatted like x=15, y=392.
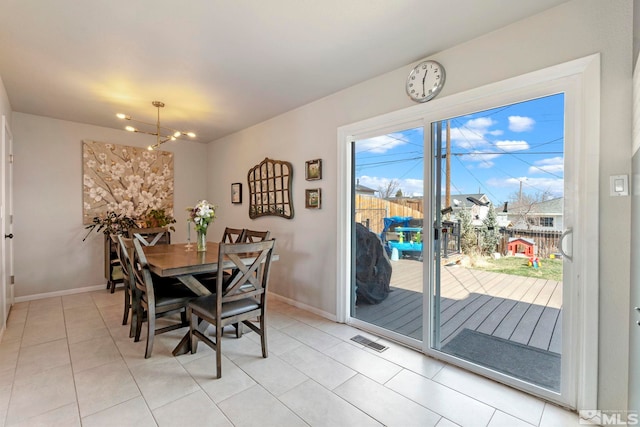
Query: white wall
x=49, y=252
x=307, y=244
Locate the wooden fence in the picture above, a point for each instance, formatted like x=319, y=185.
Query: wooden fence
x=370, y=211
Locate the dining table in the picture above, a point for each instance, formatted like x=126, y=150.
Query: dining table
x=185, y=263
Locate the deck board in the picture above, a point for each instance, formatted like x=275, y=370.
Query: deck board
x=522, y=309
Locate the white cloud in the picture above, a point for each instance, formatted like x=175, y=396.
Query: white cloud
x=520, y=124
x=531, y=185
x=512, y=145
x=380, y=144
x=554, y=165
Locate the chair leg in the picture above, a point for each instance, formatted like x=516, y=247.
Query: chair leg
x=193, y=340
x=139, y=318
x=151, y=331
x=127, y=307
x=238, y=327
x=263, y=337
x=219, y=351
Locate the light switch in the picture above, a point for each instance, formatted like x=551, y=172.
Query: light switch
x=619, y=185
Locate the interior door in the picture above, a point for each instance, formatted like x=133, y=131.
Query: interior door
x=7, y=217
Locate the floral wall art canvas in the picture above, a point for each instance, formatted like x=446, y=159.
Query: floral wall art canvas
x=126, y=180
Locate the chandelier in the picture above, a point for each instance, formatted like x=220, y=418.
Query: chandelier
x=170, y=134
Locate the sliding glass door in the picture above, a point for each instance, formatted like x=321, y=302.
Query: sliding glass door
x=387, y=189
x=499, y=215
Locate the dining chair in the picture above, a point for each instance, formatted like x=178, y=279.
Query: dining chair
x=241, y=299
x=151, y=236
x=232, y=235
x=156, y=301
x=251, y=236
x=126, y=255
x=114, y=267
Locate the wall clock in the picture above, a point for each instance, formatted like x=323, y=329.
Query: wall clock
x=425, y=81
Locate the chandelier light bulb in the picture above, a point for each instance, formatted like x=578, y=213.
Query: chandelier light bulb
x=159, y=138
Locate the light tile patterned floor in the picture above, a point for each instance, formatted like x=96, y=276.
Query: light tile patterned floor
x=68, y=361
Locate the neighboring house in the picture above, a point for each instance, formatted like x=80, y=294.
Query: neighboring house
x=361, y=189
x=478, y=204
x=541, y=216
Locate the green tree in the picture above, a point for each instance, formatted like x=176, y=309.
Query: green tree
x=490, y=232
x=468, y=237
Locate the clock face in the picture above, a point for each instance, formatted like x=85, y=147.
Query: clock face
x=425, y=81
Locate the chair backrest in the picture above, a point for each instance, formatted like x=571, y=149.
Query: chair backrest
x=252, y=236
x=142, y=275
x=232, y=235
x=125, y=256
x=151, y=236
x=252, y=276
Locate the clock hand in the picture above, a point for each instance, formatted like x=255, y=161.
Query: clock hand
x=423, y=79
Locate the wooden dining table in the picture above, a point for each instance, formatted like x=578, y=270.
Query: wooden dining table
x=179, y=261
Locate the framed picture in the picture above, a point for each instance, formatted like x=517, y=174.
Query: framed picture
x=313, y=198
x=236, y=192
x=313, y=170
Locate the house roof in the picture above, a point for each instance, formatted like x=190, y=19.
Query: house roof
x=549, y=207
x=464, y=202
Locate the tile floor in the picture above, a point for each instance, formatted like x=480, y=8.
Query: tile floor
x=68, y=361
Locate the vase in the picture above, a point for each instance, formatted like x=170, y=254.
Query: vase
x=202, y=239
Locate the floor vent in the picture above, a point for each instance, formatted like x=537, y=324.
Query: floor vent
x=368, y=343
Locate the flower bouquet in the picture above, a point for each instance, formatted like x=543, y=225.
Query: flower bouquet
x=202, y=214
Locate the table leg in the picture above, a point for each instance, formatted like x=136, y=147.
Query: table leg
x=184, y=346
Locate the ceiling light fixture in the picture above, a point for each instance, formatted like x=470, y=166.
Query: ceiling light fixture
x=160, y=139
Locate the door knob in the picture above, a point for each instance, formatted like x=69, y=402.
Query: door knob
x=8, y=236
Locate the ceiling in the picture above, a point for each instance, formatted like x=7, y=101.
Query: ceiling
x=219, y=65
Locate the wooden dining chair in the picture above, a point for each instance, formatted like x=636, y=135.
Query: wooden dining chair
x=232, y=235
x=156, y=301
x=125, y=256
x=151, y=236
x=241, y=299
x=114, y=267
x=251, y=236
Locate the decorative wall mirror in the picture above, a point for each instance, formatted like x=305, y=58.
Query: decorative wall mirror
x=270, y=189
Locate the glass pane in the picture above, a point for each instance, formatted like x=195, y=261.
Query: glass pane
x=388, y=221
x=499, y=189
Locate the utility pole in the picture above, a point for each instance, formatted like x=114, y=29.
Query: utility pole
x=520, y=196
x=447, y=194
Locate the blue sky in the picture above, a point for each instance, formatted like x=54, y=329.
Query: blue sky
x=492, y=151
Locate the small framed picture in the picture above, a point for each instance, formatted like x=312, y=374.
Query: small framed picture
x=313, y=170
x=236, y=192
x=313, y=198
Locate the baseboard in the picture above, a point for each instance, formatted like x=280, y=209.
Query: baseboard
x=303, y=306
x=60, y=293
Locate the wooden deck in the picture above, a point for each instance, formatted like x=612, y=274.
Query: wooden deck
x=520, y=309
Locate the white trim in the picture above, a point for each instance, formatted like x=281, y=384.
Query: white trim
x=60, y=293
x=303, y=306
x=582, y=77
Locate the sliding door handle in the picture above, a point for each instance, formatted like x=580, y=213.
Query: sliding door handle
x=561, y=242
